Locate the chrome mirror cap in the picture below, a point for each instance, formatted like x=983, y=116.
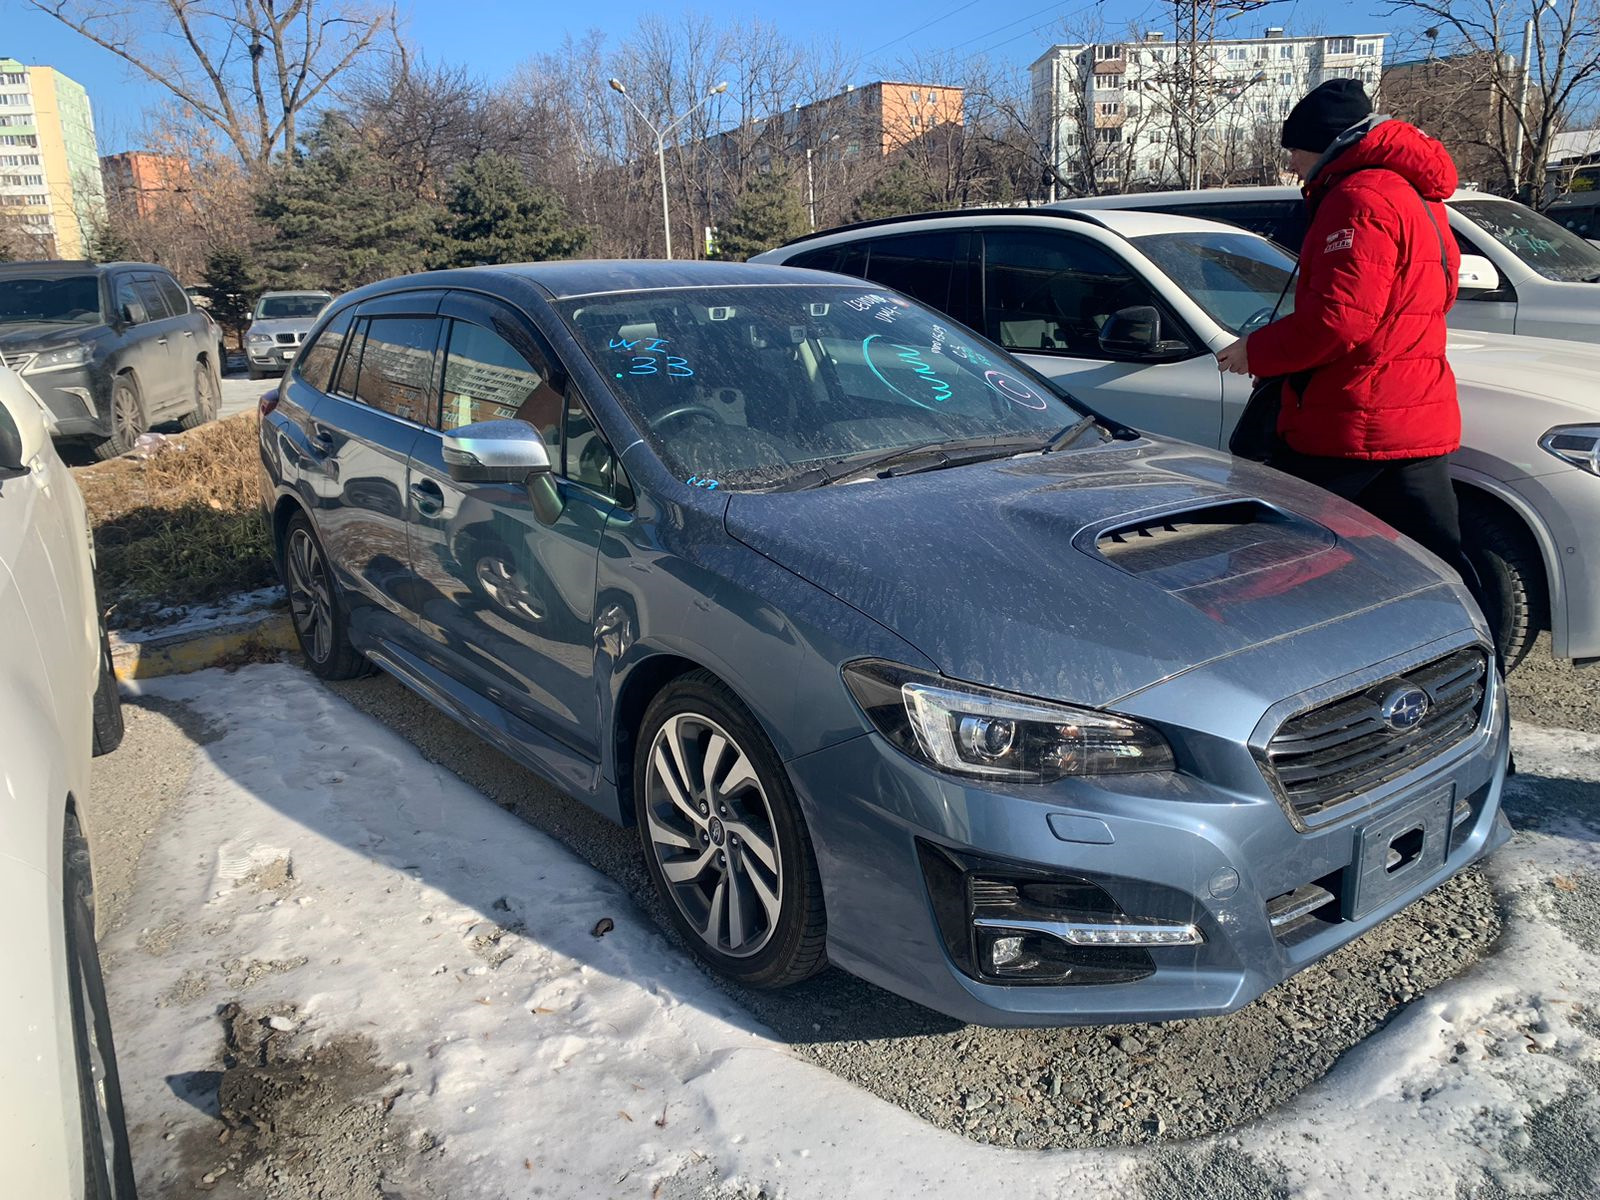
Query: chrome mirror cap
x=495, y=452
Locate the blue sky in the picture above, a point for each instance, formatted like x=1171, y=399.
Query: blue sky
x=494, y=36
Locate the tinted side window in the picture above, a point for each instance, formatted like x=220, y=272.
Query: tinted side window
x=922, y=265
x=844, y=260
x=488, y=379
x=177, y=302
x=154, y=304
x=396, y=374
x=344, y=383
x=315, y=363
x=129, y=305
x=1284, y=221
x=589, y=459
x=1052, y=291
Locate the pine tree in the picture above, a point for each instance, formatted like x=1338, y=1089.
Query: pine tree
x=231, y=285
x=898, y=192
x=495, y=216
x=111, y=243
x=765, y=214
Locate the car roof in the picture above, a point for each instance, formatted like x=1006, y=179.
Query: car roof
x=1231, y=195
x=66, y=266
x=296, y=292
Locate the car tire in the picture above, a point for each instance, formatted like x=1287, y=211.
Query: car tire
x=1511, y=577
x=108, y=726
x=128, y=419
x=321, y=624
x=107, y=1160
x=207, y=398
x=756, y=916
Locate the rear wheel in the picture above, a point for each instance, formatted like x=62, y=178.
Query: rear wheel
x=107, y=701
x=207, y=398
x=321, y=624
x=107, y=1162
x=127, y=419
x=1511, y=576
x=724, y=838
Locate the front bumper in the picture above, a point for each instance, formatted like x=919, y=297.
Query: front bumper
x=1173, y=849
x=272, y=357
x=76, y=401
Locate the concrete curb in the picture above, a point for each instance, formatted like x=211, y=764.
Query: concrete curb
x=197, y=649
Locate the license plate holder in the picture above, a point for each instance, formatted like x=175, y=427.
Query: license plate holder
x=1418, y=834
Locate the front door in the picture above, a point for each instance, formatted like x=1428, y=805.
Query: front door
x=383, y=393
x=507, y=601
x=1045, y=296
x=170, y=388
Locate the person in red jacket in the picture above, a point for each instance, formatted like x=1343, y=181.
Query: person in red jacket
x=1369, y=408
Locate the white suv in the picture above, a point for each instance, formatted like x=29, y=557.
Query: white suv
x=61, y=1125
x=1521, y=272
x=1125, y=310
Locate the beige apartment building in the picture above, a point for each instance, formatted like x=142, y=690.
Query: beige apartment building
x=49, y=166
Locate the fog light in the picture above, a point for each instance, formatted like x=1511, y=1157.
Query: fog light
x=1103, y=933
x=1005, y=952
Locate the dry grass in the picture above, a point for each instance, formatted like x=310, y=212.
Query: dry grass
x=181, y=527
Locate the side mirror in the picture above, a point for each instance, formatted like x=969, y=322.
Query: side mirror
x=22, y=427
x=1135, y=333
x=126, y=315
x=1477, y=274
x=504, y=452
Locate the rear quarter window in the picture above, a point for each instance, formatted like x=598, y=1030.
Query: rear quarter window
x=316, y=362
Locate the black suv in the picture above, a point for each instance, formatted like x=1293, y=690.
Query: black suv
x=109, y=349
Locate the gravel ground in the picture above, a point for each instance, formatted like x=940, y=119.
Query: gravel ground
x=1118, y=1086
x=1556, y=695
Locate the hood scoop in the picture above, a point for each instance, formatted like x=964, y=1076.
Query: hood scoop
x=1202, y=554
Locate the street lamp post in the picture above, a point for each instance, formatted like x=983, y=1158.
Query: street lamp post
x=811, y=187
x=1522, y=92
x=661, y=133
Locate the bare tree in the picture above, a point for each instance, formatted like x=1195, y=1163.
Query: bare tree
x=250, y=68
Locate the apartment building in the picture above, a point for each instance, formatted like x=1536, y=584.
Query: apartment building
x=874, y=119
x=1153, y=113
x=49, y=166
x=144, y=183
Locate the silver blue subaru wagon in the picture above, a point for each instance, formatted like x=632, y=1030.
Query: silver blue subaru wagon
x=896, y=657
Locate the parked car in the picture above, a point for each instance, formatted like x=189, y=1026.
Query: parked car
x=897, y=659
x=1521, y=272
x=110, y=349
x=61, y=1123
x=277, y=327
x=1125, y=309
x=1579, y=212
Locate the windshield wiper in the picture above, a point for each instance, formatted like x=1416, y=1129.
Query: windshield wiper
x=1070, y=434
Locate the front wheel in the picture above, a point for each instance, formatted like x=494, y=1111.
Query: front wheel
x=108, y=726
x=127, y=420
x=1511, y=577
x=107, y=1161
x=207, y=398
x=321, y=624
x=724, y=838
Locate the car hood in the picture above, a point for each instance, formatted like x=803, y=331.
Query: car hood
x=1084, y=576
x=283, y=325
x=1529, y=366
x=42, y=335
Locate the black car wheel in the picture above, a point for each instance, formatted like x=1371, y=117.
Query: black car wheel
x=207, y=398
x=724, y=838
x=107, y=701
x=320, y=621
x=107, y=1162
x=1510, y=575
x=127, y=419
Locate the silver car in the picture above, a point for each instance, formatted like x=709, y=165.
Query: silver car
x=278, y=325
x=1126, y=310
x=61, y=1123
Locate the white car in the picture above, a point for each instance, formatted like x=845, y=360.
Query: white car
x=1126, y=309
x=1521, y=272
x=61, y=1126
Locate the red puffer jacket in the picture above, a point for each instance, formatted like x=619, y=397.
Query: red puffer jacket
x=1369, y=306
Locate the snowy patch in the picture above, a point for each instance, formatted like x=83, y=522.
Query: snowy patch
x=239, y=609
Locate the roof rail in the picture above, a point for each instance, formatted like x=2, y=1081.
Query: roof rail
x=51, y=262
x=1071, y=214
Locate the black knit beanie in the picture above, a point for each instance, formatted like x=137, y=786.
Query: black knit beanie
x=1326, y=112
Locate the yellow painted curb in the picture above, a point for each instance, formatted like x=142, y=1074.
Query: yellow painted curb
x=181, y=653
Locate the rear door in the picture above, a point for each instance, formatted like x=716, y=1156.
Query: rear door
x=1047, y=292
x=507, y=601
x=383, y=393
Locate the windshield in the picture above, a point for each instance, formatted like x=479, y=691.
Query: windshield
x=1554, y=252
x=308, y=304
x=1236, y=277
x=752, y=387
x=66, y=300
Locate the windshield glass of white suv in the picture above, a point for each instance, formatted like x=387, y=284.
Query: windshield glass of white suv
x=1553, y=251
x=762, y=387
x=1238, y=278
x=65, y=300
x=276, y=308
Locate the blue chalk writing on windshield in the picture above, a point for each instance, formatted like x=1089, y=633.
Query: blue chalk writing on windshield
x=623, y=343
x=643, y=364
x=940, y=389
x=700, y=482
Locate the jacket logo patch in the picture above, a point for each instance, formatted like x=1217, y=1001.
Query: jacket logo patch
x=1339, y=239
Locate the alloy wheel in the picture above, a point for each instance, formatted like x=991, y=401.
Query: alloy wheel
x=127, y=420
x=711, y=830
x=206, y=398
x=310, y=596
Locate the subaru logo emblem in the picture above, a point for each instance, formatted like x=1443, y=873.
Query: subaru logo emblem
x=1404, y=708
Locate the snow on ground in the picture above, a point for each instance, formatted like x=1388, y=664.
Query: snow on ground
x=238, y=609
x=317, y=861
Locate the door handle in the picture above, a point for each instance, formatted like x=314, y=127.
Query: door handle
x=428, y=497
x=161, y=341
x=188, y=333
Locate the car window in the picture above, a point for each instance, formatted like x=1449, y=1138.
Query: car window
x=129, y=305
x=760, y=387
x=315, y=362
x=299, y=304
x=849, y=259
x=1550, y=249
x=66, y=300
x=1283, y=221
x=154, y=303
x=1241, y=280
x=589, y=460
x=486, y=378
x=177, y=302
x=922, y=265
x=396, y=373
x=1052, y=291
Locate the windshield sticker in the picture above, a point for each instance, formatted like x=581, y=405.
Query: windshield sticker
x=1015, y=391
x=907, y=356
x=670, y=365
x=888, y=307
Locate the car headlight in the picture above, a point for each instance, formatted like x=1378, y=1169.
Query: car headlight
x=1576, y=444
x=970, y=730
x=257, y=339
x=59, y=360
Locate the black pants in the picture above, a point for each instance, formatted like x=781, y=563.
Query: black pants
x=1412, y=494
